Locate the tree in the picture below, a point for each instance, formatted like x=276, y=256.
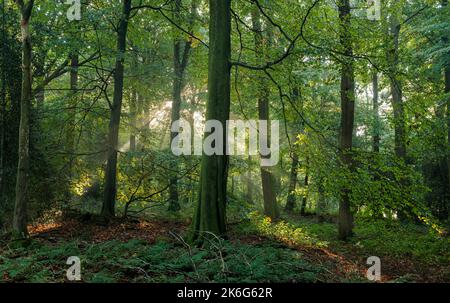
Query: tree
x=376, y=116
x=110, y=189
x=396, y=87
x=74, y=58
x=210, y=213
x=347, y=116
x=22, y=183
x=305, y=193
x=180, y=60
x=3, y=108
x=290, y=203
x=267, y=177
x=446, y=40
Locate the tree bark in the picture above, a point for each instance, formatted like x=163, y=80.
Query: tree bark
x=396, y=91
x=447, y=105
x=347, y=117
x=376, y=117
x=180, y=60
x=290, y=203
x=22, y=198
x=447, y=91
x=210, y=216
x=397, y=100
x=321, y=204
x=305, y=195
x=3, y=109
x=267, y=177
x=109, y=196
x=70, y=134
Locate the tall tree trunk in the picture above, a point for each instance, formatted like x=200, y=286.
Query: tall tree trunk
x=210, y=213
x=447, y=105
x=109, y=196
x=180, y=60
x=20, y=209
x=72, y=112
x=376, y=138
x=3, y=108
x=397, y=99
x=447, y=91
x=396, y=91
x=267, y=177
x=347, y=116
x=290, y=203
x=376, y=117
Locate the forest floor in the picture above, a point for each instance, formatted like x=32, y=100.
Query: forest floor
x=296, y=249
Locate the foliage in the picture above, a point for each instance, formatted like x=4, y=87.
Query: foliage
x=137, y=261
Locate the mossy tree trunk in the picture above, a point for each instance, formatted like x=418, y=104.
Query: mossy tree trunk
x=22, y=183
x=290, y=203
x=109, y=195
x=347, y=117
x=397, y=100
x=396, y=90
x=305, y=190
x=446, y=108
x=3, y=110
x=447, y=91
x=210, y=213
x=267, y=177
x=71, y=127
x=181, y=52
x=376, y=117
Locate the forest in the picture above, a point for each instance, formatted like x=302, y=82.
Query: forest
x=225, y=141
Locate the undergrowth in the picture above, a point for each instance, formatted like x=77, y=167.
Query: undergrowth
x=374, y=237
x=137, y=261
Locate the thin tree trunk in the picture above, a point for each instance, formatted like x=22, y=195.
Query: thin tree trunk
x=267, y=177
x=397, y=99
x=321, y=205
x=396, y=91
x=249, y=186
x=377, y=212
x=210, y=213
x=305, y=194
x=3, y=108
x=290, y=203
x=447, y=91
x=22, y=198
x=447, y=105
x=347, y=116
x=109, y=197
x=72, y=112
x=180, y=60
x=376, y=123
